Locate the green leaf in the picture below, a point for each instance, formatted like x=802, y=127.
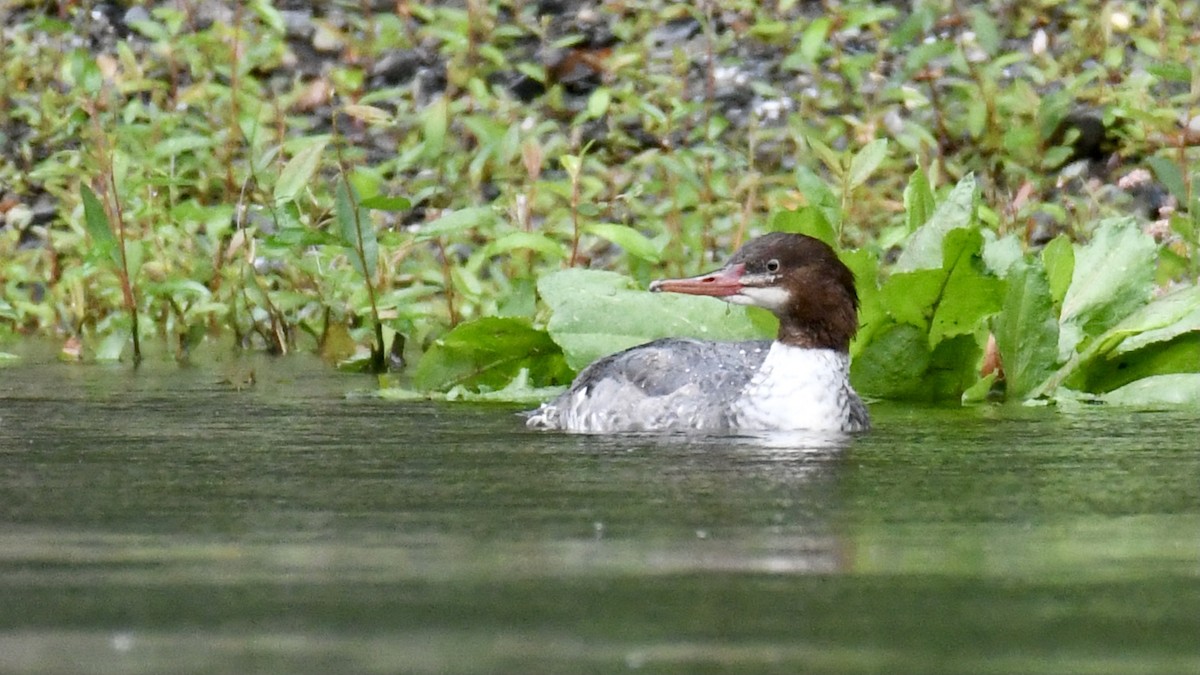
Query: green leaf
x=1168, y=173
x=1173, y=389
x=635, y=243
x=534, y=241
x=1113, y=275
x=808, y=220
x=893, y=364
x=456, y=222
x=918, y=200
x=999, y=255
x=924, y=248
x=910, y=297
x=596, y=313
x=177, y=145
x=832, y=160
x=490, y=353
x=812, y=40
x=357, y=231
x=98, y=227
x=1026, y=331
x=969, y=296
x=598, y=102
x=1165, y=318
x=1058, y=258
x=435, y=121
x=865, y=162
x=298, y=173
x=385, y=203
x=1172, y=71
x=986, y=32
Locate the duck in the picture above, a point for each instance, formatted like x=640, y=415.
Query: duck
x=800, y=381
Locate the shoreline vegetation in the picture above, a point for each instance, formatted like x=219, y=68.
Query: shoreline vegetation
x=469, y=198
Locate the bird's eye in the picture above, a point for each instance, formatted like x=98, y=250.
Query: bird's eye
x=772, y=265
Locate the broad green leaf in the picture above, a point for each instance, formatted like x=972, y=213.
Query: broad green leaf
x=1174, y=389
x=462, y=220
x=952, y=369
x=911, y=297
x=808, y=220
x=635, y=243
x=490, y=353
x=924, y=248
x=357, y=231
x=871, y=313
x=98, y=227
x=969, y=296
x=1163, y=319
x=999, y=255
x=893, y=364
x=1026, y=331
x=1118, y=368
x=596, y=313
x=1058, y=259
x=298, y=173
x=918, y=200
x=1113, y=276
x=865, y=162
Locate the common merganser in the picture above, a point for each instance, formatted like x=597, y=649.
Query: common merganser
x=801, y=381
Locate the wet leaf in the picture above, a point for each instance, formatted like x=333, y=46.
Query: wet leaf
x=893, y=364
x=1026, y=331
x=490, y=352
x=969, y=296
x=1113, y=275
x=1173, y=389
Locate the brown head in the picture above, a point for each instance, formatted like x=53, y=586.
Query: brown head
x=798, y=278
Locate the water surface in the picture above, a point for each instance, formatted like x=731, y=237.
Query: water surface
x=177, y=520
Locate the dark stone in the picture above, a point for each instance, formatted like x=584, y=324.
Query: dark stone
x=397, y=66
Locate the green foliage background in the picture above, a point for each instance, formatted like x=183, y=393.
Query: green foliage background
x=236, y=202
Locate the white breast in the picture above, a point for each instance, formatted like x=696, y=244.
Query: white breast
x=798, y=389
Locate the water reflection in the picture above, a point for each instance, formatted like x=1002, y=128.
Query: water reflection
x=160, y=520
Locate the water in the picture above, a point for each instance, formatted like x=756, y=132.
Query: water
x=169, y=521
